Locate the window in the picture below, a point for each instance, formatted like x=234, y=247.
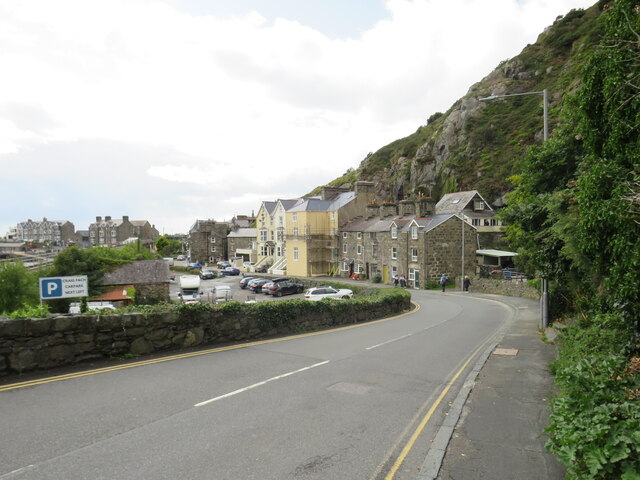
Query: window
x=345, y=266
x=372, y=235
x=272, y=235
x=414, y=232
x=263, y=235
x=394, y=253
x=295, y=253
x=333, y=215
x=478, y=205
x=394, y=271
x=358, y=268
x=294, y=217
x=344, y=248
x=344, y=234
x=280, y=221
x=295, y=231
x=475, y=222
x=213, y=239
x=412, y=274
x=394, y=232
x=213, y=249
x=263, y=251
x=359, y=235
x=113, y=232
x=359, y=249
x=279, y=251
x=414, y=254
x=374, y=251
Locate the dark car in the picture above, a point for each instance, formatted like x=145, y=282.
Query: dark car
x=256, y=284
x=244, y=282
x=285, y=288
x=267, y=291
x=207, y=274
x=195, y=265
x=230, y=271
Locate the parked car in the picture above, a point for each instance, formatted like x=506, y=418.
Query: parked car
x=96, y=306
x=195, y=265
x=266, y=287
x=262, y=269
x=230, y=271
x=207, y=274
x=181, y=257
x=247, y=265
x=244, y=281
x=279, y=289
x=223, y=264
x=256, y=284
x=267, y=290
x=318, y=293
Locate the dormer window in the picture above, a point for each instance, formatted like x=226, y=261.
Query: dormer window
x=414, y=232
x=478, y=205
x=394, y=231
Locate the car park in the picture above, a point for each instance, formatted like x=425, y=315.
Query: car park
x=207, y=274
x=319, y=293
x=230, y=271
x=278, y=289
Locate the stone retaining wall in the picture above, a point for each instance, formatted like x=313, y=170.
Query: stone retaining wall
x=511, y=288
x=33, y=344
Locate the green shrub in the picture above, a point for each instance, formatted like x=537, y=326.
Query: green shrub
x=30, y=311
x=377, y=278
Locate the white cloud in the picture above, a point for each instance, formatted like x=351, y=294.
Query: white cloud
x=235, y=104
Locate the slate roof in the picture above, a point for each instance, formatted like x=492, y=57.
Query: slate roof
x=136, y=273
x=377, y=224
x=288, y=203
x=456, y=202
x=270, y=207
x=427, y=224
x=243, y=233
x=313, y=204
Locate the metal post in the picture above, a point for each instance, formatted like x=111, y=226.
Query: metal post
x=462, y=267
x=545, y=113
x=544, y=304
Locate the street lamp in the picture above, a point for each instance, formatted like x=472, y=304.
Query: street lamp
x=544, y=301
x=545, y=101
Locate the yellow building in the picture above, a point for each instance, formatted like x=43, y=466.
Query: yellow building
x=312, y=227
x=265, y=235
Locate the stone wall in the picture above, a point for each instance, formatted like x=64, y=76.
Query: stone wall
x=33, y=344
x=511, y=288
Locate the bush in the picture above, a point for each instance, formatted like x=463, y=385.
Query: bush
x=595, y=423
x=35, y=311
x=377, y=278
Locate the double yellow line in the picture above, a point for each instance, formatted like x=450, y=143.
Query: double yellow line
x=69, y=376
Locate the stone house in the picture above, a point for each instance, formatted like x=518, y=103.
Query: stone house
x=111, y=232
x=150, y=278
x=52, y=232
x=420, y=248
x=241, y=243
x=207, y=241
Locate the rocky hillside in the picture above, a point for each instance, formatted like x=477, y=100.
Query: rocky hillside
x=476, y=144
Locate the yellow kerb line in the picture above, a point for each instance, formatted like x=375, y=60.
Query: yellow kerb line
x=405, y=451
x=142, y=363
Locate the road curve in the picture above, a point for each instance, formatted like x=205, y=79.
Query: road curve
x=354, y=403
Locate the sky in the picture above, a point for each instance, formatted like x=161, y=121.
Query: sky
x=177, y=110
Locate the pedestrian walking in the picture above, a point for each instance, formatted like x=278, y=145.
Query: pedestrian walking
x=403, y=281
x=443, y=281
x=466, y=283
x=395, y=280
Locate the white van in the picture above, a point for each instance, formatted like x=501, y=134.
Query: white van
x=221, y=293
x=75, y=306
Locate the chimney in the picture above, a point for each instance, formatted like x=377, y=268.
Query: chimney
x=364, y=187
x=107, y=219
x=371, y=211
x=407, y=208
x=125, y=218
x=388, y=210
x=98, y=219
x=425, y=206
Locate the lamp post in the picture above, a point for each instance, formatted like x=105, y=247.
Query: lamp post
x=544, y=301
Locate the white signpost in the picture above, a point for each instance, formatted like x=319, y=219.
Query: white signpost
x=64, y=287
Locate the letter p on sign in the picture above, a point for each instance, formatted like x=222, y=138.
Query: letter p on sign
x=51, y=288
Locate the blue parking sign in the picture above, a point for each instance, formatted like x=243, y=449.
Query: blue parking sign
x=51, y=287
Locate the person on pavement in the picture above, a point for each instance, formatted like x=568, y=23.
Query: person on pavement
x=443, y=281
x=466, y=283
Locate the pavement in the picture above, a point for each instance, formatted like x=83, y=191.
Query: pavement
x=499, y=416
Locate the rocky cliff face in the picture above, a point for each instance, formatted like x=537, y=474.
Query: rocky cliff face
x=477, y=144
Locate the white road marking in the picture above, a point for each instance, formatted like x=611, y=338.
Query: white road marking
x=230, y=394
x=388, y=341
x=16, y=472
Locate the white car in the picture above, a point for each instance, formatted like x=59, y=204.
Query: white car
x=318, y=293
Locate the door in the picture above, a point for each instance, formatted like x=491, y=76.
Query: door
x=416, y=282
x=385, y=274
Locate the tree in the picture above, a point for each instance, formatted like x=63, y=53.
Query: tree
x=168, y=247
x=18, y=287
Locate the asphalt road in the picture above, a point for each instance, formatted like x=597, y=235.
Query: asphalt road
x=355, y=403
